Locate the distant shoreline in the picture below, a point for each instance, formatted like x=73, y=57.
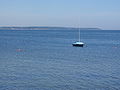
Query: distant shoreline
x=46, y=28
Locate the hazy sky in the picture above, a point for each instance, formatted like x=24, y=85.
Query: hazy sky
x=84, y=13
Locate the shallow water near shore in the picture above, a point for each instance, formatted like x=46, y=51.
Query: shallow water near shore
x=46, y=60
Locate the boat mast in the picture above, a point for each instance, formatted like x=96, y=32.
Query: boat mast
x=79, y=35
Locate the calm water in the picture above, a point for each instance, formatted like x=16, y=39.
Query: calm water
x=46, y=60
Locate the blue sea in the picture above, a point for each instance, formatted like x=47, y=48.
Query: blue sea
x=46, y=60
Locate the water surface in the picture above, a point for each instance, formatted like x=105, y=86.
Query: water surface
x=46, y=60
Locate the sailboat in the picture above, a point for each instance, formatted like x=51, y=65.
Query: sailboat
x=78, y=43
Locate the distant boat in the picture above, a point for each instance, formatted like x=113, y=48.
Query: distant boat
x=78, y=43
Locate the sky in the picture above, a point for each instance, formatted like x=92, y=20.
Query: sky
x=104, y=14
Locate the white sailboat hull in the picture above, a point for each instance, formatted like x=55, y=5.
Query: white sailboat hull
x=79, y=44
